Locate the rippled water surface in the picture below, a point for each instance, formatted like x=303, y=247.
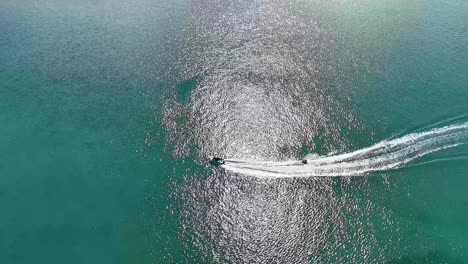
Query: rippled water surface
x=109, y=112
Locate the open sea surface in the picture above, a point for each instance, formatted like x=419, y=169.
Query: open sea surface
x=109, y=111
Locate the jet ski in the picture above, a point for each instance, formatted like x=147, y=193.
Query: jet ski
x=216, y=161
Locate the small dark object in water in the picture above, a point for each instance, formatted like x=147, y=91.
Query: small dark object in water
x=217, y=161
x=304, y=161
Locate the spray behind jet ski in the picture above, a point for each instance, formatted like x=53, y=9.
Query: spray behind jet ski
x=216, y=161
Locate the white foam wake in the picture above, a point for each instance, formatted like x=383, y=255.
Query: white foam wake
x=385, y=155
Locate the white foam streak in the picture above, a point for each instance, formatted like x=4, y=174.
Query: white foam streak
x=385, y=155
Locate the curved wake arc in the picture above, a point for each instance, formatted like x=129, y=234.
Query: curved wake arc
x=385, y=155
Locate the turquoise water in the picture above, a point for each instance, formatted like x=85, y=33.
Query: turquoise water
x=109, y=110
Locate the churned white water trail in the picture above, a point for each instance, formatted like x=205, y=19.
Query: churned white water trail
x=385, y=155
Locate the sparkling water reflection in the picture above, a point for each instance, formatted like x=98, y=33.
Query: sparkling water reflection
x=263, y=71
x=269, y=80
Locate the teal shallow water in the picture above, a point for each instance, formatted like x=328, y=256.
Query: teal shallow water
x=100, y=123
